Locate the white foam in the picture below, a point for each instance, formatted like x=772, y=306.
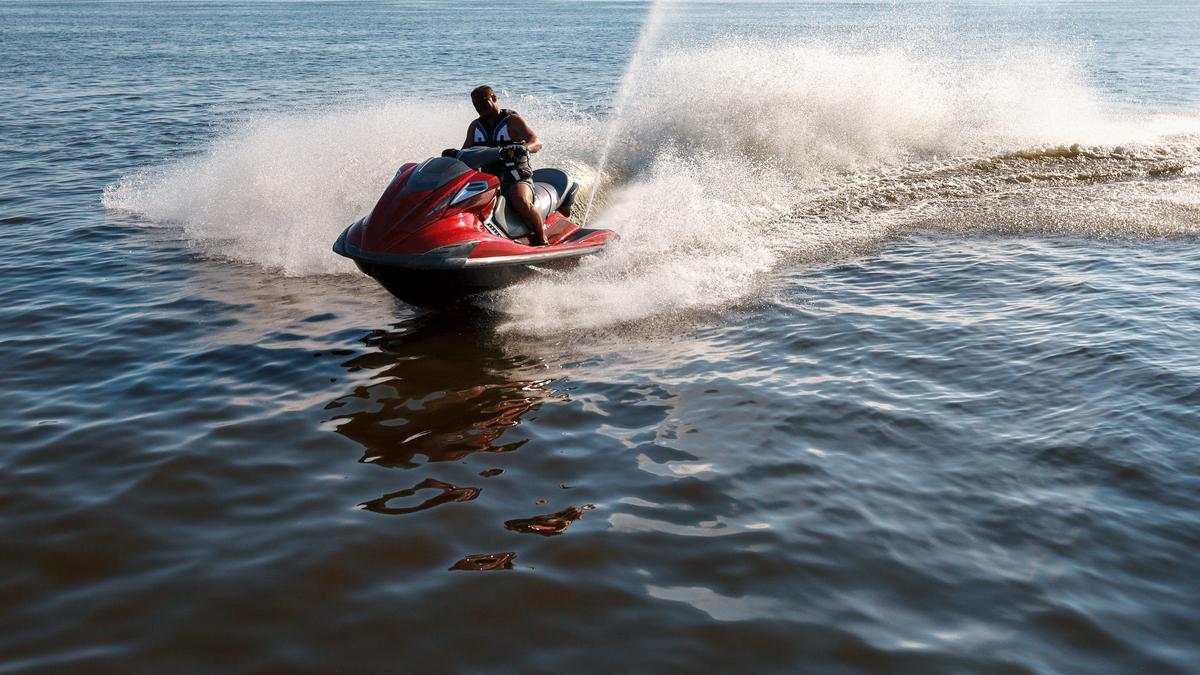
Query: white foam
x=731, y=159
x=276, y=190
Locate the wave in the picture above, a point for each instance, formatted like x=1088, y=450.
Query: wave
x=730, y=160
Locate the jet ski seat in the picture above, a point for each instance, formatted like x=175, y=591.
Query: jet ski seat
x=552, y=188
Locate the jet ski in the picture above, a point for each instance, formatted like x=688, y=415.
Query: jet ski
x=442, y=232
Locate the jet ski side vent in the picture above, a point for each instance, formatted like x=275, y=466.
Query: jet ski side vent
x=469, y=190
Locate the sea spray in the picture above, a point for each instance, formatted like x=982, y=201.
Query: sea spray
x=277, y=189
x=744, y=156
x=647, y=41
x=737, y=158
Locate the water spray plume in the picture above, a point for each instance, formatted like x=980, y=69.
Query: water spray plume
x=731, y=159
x=645, y=44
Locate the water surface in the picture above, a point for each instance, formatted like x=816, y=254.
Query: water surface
x=894, y=369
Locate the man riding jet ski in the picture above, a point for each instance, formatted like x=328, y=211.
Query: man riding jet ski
x=502, y=128
x=445, y=230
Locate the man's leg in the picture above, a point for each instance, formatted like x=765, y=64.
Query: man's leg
x=522, y=201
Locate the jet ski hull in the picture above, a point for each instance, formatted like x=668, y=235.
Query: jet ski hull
x=433, y=288
x=446, y=276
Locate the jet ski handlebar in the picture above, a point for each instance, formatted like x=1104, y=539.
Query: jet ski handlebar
x=478, y=157
x=514, y=151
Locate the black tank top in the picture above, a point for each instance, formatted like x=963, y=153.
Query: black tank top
x=497, y=136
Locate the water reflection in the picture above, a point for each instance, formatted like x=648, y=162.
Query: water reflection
x=443, y=387
x=721, y=607
x=486, y=562
x=449, y=493
x=550, y=524
x=441, y=390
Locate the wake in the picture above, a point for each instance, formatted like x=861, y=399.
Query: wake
x=730, y=160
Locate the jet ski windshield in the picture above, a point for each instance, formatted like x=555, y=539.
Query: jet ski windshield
x=434, y=173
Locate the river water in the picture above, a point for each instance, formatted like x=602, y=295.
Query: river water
x=894, y=369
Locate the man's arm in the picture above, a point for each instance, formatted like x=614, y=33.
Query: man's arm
x=467, y=143
x=520, y=132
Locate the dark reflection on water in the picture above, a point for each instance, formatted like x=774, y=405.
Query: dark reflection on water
x=550, y=524
x=444, y=386
x=437, y=391
x=449, y=493
x=485, y=562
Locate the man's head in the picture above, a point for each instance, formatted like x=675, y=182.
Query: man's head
x=484, y=100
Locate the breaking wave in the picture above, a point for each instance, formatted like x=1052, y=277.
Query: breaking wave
x=731, y=161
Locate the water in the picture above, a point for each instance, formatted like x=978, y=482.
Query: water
x=645, y=48
x=894, y=368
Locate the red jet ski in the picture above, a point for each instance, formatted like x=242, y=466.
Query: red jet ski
x=442, y=232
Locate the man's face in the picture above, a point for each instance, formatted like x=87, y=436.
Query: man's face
x=486, y=105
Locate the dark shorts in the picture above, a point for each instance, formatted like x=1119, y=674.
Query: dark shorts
x=514, y=173
x=507, y=186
